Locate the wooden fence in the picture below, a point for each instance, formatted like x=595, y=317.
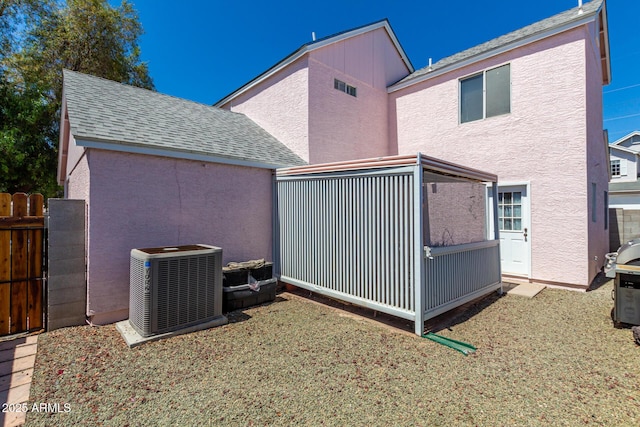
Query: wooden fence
x=21, y=263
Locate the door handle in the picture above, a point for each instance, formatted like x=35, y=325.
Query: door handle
x=525, y=234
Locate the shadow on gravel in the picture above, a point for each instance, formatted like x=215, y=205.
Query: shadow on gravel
x=444, y=321
x=463, y=313
x=599, y=281
x=237, y=316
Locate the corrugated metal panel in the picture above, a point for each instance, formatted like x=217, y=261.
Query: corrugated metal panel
x=351, y=236
x=458, y=274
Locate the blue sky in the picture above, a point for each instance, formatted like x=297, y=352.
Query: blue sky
x=203, y=50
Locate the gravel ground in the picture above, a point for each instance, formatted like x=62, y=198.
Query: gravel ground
x=552, y=360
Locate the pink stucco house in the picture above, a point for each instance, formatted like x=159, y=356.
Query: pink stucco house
x=526, y=106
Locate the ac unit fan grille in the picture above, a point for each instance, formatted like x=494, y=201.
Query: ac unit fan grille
x=184, y=290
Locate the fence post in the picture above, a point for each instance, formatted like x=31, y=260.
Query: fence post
x=419, y=226
x=5, y=267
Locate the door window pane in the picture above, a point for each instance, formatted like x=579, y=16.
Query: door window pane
x=510, y=211
x=517, y=224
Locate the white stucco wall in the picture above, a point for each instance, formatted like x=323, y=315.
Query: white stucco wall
x=541, y=141
x=139, y=201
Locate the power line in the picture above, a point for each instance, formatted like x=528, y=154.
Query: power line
x=622, y=117
x=621, y=88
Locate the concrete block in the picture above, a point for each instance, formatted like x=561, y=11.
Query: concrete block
x=67, y=215
x=62, y=238
x=66, y=252
x=67, y=266
x=66, y=295
x=72, y=309
x=72, y=280
x=53, y=324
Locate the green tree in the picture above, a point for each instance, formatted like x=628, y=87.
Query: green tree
x=38, y=40
x=27, y=156
x=88, y=36
x=15, y=17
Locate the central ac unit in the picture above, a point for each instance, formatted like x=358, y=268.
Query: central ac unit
x=174, y=287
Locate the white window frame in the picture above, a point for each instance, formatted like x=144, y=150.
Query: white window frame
x=345, y=87
x=484, y=94
x=615, y=165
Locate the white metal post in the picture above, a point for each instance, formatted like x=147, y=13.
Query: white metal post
x=418, y=229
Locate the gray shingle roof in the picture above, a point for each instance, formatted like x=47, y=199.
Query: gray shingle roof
x=106, y=111
x=555, y=21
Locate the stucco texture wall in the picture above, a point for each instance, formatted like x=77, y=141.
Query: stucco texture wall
x=597, y=159
x=280, y=105
x=301, y=108
x=456, y=212
x=78, y=184
x=341, y=126
x=541, y=141
x=139, y=201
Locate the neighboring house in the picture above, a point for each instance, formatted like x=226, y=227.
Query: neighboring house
x=624, y=187
x=526, y=106
x=624, y=190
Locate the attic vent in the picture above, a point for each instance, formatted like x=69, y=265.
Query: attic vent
x=343, y=87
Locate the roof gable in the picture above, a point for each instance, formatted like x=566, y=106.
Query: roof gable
x=115, y=116
x=531, y=33
x=626, y=137
x=318, y=44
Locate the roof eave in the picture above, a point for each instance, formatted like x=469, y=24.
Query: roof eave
x=624, y=138
x=499, y=50
x=604, y=40
x=623, y=149
x=309, y=47
x=127, y=147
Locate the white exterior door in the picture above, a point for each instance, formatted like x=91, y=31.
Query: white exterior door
x=514, y=221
